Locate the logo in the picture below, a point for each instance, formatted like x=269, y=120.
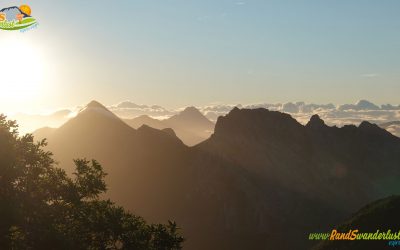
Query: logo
x=17, y=18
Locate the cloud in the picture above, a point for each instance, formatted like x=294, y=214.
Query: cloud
x=370, y=75
x=339, y=115
x=30, y=122
x=128, y=109
x=360, y=105
x=333, y=115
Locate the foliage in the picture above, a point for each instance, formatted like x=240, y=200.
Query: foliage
x=41, y=207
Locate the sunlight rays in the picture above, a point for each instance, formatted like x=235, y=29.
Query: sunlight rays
x=22, y=70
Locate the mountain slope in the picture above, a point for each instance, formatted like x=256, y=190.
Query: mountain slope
x=132, y=157
x=145, y=120
x=275, y=146
x=190, y=117
x=260, y=177
x=393, y=127
x=191, y=126
x=316, y=168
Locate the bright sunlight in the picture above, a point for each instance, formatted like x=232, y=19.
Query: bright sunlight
x=21, y=70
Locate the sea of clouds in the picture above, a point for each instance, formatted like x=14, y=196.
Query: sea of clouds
x=338, y=115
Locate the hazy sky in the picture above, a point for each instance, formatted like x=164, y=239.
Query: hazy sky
x=182, y=52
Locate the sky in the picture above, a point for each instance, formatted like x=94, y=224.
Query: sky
x=178, y=53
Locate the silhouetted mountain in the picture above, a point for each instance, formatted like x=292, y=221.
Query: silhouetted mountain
x=360, y=105
x=145, y=120
x=316, y=123
x=340, y=168
x=260, y=177
x=271, y=143
x=382, y=215
x=191, y=117
x=191, y=126
x=142, y=164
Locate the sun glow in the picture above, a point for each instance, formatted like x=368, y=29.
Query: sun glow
x=21, y=71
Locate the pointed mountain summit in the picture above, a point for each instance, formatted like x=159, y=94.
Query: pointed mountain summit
x=93, y=123
x=368, y=126
x=316, y=122
x=373, y=130
x=95, y=118
x=96, y=132
x=360, y=105
x=96, y=107
x=190, y=125
x=366, y=105
x=95, y=104
x=191, y=112
x=190, y=116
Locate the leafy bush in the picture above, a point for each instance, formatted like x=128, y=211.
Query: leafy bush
x=41, y=207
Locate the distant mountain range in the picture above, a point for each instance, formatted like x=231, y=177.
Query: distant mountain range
x=151, y=115
x=260, y=178
x=191, y=126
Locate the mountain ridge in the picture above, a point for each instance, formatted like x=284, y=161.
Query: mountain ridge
x=190, y=125
x=260, y=170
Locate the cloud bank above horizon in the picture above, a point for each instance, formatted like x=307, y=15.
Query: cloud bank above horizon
x=333, y=115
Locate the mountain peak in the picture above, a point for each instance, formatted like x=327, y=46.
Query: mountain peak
x=191, y=115
x=360, y=105
x=364, y=102
x=315, y=122
x=93, y=119
x=256, y=123
x=95, y=104
x=367, y=126
x=94, y=107
x=191, y=111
